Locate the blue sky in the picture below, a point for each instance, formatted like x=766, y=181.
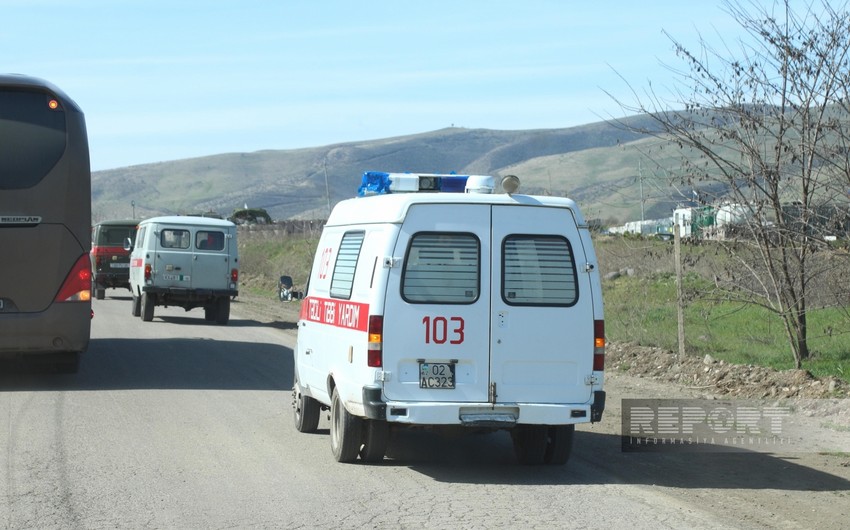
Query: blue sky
x=165, y=80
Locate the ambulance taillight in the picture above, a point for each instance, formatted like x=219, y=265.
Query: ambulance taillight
x=598, y=345
x=374, y=350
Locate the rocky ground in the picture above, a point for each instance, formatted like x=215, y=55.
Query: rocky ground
x=720, y=378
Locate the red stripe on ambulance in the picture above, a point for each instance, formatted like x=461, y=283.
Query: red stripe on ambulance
x=339, y=313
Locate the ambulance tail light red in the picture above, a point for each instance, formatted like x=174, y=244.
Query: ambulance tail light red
x=147, y=271
x=77, y=285
x=375, y=348
x=598, y=345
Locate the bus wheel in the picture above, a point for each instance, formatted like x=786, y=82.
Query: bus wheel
x=137, y=306
x=307, y=410
x=210, y=312
x=376, y=436
x=222, y=310
x=530, y=443
x=559, y=444
x=346, y=431
x=147, y=306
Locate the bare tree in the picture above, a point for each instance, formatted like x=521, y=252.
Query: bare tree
x=764, y=132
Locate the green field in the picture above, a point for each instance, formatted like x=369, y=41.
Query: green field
x=643, y=311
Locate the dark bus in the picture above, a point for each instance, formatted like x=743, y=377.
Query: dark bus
x=45, y=223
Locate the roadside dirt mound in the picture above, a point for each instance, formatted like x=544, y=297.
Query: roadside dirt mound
x=718, y=377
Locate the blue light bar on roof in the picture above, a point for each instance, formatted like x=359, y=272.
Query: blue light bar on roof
x=380, y=183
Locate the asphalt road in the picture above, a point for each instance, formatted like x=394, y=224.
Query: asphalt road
x=177, y=423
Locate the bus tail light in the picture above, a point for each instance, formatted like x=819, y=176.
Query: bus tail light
x=234, y=275
x=375, y=348
x=598, y=345
x=77, y=285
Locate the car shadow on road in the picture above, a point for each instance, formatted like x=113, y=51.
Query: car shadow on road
x=240, y=322
x=196, y=363
x=597, y=458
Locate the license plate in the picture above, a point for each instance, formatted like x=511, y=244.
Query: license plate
x=436, y=375
x=175, y=277
x=120, y=265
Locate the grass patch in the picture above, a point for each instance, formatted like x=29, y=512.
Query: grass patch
x=263, y=261
x=643, y=310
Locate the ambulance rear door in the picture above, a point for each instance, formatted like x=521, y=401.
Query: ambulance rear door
x=437, y=308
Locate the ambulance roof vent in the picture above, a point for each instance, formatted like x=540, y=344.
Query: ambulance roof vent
x=479, y=184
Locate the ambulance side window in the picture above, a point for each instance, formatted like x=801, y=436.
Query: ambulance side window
x=442, y=268
x=538, y=270
x=346, y=264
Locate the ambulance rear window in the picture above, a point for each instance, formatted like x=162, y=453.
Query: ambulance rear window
x=538, y=270
x=442, y=268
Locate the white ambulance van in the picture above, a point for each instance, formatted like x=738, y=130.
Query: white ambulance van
x=435, y=301
x=184, y=261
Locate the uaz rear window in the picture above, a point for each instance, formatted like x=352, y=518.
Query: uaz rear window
x=174, y=238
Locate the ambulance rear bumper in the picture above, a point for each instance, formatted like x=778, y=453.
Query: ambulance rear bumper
x=481, y=414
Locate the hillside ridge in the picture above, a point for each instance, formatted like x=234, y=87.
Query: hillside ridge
x=303, y=183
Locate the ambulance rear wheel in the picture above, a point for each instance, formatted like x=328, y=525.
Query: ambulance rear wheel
x=376, y=436
x=148, y=303
x=530, y=442
x=307, y=411
x=346, y=431
x=137, y=306
x=559, y=444
x=99, y=293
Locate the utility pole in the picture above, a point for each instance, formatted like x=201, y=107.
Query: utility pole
x=680, y=302
x=327, y=187
x=640, y=179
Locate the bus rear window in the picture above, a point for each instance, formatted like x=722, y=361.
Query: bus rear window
x=32, y=137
